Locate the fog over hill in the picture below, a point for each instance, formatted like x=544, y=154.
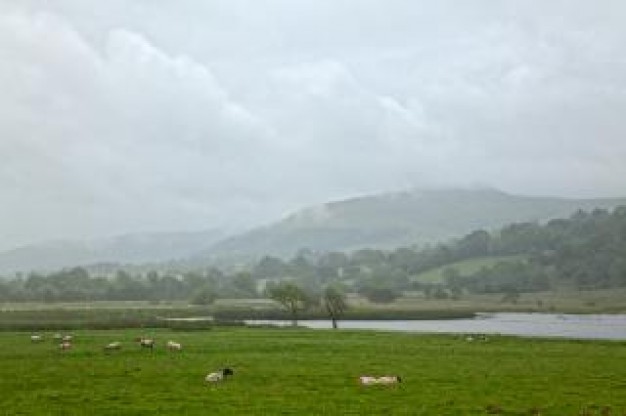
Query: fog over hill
x=124, y=249
x=387, y=220
x=144, y=116
x=397, y=219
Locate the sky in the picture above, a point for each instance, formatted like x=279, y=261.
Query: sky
x=154, y=115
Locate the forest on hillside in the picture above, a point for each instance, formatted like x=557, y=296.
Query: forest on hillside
x=585, y=251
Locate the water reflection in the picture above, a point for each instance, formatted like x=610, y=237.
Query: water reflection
x=522, y=324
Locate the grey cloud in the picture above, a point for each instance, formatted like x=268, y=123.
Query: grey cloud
x=143, y=115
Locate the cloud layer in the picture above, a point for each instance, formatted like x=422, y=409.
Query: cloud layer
x=135, y=116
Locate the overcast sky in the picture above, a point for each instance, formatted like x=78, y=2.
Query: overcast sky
x=144, y=115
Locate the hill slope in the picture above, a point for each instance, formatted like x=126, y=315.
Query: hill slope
x=397, y=219
x=129, y=248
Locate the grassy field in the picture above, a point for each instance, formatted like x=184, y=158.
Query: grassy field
x=464, y=267
x=310, y=372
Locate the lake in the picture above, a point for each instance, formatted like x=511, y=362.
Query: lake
x=521, y=324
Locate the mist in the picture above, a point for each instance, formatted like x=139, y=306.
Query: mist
x=158, y=116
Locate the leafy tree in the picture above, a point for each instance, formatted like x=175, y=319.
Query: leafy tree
x=291, y=297
x=511, y=295
x=245, y=283
x=474, y=244
x=379, y=294
x=204, y=296
x=270, y=268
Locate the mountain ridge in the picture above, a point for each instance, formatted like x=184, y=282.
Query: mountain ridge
x=400, y=218
x=382, y=221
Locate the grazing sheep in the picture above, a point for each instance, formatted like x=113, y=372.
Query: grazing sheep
x=146, y=342
x=219, y=375
x=65, y=345
x=67, y=338
x=371, y=380
x=174, y=346
x=367, y=380
x=389, y=380
x=36, y=338
x=113, y=346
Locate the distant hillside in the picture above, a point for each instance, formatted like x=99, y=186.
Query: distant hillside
x=129, y=248
x=398, y=219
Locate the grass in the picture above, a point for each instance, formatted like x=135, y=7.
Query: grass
x=81, y=318
x=310, y=372
x=464, y=267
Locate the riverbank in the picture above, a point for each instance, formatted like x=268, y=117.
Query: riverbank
x=175, y=318
x=412, y=306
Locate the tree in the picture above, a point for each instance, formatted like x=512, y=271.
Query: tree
x=204, y=296
x=334, y=301
x=245, y=283
x=379, y=294
x=291, y=297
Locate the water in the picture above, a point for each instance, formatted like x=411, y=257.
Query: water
x=521, y=324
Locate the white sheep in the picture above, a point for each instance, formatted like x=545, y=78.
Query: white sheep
x=146, y=342
x=113, y=346
x=371, y=380
x=65, y=345
x=219, y=375
x=389, y=380
x=67, y=338
x=368, y=380
x=36, y=338
x=174, y=346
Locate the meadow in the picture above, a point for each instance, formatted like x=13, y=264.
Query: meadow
x=309, y=372
x=464, y=267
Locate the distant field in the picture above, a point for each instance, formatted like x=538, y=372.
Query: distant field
x=464, y=267
x=310, y=372
x=560, y=301
x=412, y=305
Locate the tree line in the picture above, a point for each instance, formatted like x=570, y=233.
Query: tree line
x=585, y=251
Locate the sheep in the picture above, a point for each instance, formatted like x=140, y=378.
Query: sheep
x=65, y=345
x=371, y=380
x=174, y=346
x=219, y=375
x=368, y=380
x=145, y=342
x=67, y=338
x=113, y=346
x=36, y=338
x=389, y=380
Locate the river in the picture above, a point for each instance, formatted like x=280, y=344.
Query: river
x=611, y=327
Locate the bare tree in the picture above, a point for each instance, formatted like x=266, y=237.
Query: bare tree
x=334, y=301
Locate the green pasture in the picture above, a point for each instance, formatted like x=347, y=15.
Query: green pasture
x=309, y=372
x=464, y=267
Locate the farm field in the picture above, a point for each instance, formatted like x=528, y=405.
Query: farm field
x=309, y=372
x=464, y=267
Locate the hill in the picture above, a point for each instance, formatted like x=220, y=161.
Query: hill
x=398, y=219
x=123, y=249
x=463, y=268
x=384, y=221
